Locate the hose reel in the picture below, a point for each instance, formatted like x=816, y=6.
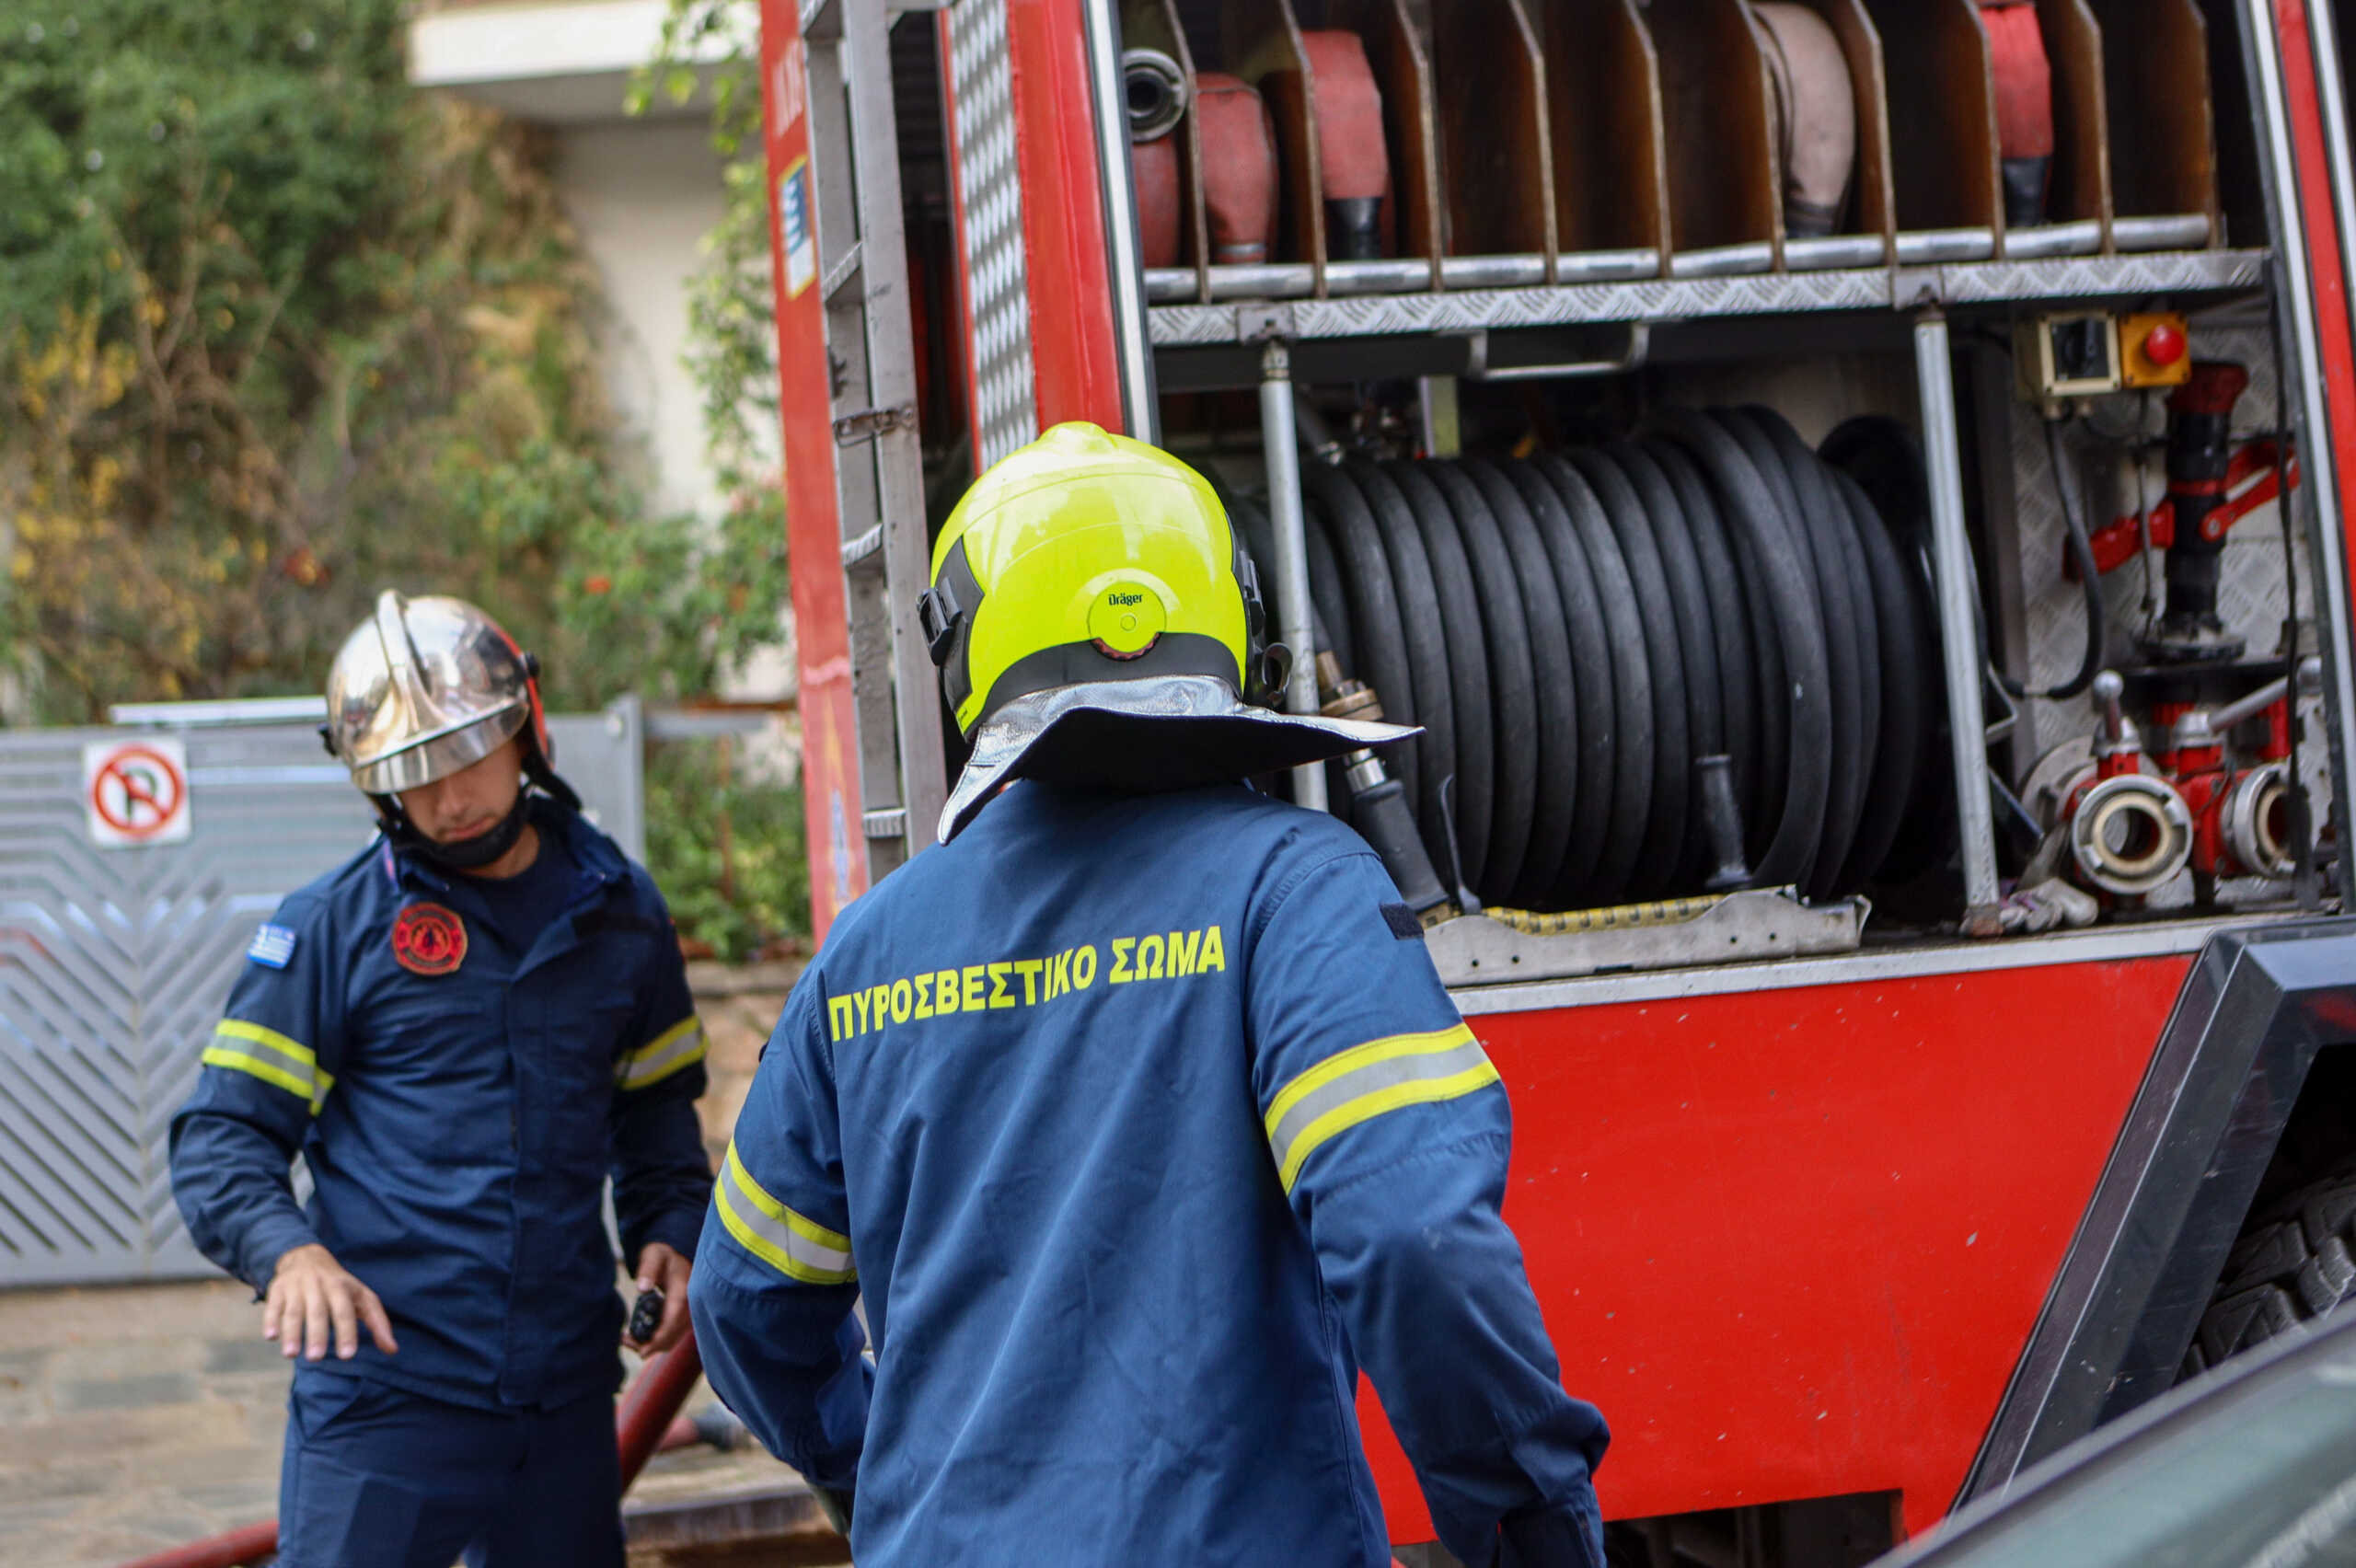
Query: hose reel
x=1670, y=665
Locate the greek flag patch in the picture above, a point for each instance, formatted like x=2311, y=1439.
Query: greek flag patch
x=273, y=946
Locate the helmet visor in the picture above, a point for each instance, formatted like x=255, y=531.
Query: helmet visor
x=431, y=757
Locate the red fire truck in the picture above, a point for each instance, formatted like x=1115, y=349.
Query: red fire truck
x=1854, y=490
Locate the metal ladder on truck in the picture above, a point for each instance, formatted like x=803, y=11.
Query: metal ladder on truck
x=879, y=478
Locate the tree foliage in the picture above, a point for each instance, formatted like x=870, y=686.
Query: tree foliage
x=732, y=325
x=747, y=859
x=277, y=330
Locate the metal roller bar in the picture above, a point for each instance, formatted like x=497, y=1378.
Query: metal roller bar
x=1933, y=247
x=2183, y=232
x=1296, y=279
x=1832, y=251
x=1277, y=433
x=1958, y=634
x=1724, y=262
x=2052, y=239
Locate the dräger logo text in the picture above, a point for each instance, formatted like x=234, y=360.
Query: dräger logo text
x=1124, y=599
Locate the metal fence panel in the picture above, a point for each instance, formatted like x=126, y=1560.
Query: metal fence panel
x=114, y=964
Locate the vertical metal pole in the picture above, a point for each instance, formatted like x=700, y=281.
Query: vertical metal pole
x=2327, y=556
x=1123, y=247
x=1958, y=634
x=1436, y=403
x=1292, y=553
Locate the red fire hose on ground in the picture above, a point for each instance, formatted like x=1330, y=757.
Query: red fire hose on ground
x=640, y=1425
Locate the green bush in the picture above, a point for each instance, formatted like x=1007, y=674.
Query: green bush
x=277, y=330
x=729, y=852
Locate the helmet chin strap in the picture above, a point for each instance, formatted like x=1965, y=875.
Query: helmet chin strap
x=467, y=854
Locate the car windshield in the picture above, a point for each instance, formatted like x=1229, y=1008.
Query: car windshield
x=2250, y=1468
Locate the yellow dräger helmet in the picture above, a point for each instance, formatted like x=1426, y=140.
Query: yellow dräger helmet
x=1096, y=622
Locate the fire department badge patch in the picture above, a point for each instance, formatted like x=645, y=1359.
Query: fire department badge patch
x=429, y=939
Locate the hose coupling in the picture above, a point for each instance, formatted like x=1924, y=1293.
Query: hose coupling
x=1378, y=803
x=2130, y=834
x=1156, y=90
x=2257, y=820
x=1344, y=697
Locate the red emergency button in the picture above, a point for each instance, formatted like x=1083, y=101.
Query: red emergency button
x=2156, y=350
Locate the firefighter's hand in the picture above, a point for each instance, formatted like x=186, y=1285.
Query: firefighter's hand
x=659, y=1268
x=312, y=1300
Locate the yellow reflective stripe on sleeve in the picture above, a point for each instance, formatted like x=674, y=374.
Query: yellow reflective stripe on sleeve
x=681, y=1046
x=1364, y=1081
x=795, y=1246
x=271, y=1056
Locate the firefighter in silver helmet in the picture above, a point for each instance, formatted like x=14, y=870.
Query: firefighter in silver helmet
x=423, y=691
x=463, y=1031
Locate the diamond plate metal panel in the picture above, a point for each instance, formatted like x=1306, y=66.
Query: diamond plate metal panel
x=1181, y=325
x=990, y=182
x=2073, y=277
x=114, y=964
x=1651, y=300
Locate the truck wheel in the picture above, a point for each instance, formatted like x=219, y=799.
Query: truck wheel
x=2294, y=1261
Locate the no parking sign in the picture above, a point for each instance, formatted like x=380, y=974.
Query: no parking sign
x=136, y=792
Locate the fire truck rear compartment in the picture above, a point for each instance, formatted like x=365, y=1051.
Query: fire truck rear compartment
x=1637, y=506
x=1599, y=437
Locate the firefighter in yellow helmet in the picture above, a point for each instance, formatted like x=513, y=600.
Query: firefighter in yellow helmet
x=1089, y=586
x=1135, y=1111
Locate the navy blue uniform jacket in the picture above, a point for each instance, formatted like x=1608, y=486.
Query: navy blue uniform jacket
x=459, y=1126
x=1142, y=1123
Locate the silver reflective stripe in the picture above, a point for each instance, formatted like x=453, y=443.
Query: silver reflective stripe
x=274, y=1058
x=1378, y=1077
x=790, y=1243
x=676, y=1047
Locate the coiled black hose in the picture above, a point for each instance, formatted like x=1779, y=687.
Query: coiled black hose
x=1558, y=713
x=1590, y=684
x=1740, y=664
x=1428, y=652
x=1885, y=460
x=1690, y=616
x=1464, y=807
x=1585, y=634
x=1588, y=534
x=1513, y=681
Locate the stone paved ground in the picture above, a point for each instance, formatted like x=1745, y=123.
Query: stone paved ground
x=137, y=1417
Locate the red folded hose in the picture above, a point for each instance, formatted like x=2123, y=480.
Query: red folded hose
x=1238, y=142
x=1354, y=159
x=1154, y=166
x=2024, y=76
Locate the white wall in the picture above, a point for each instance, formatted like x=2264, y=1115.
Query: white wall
x=642, y=194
